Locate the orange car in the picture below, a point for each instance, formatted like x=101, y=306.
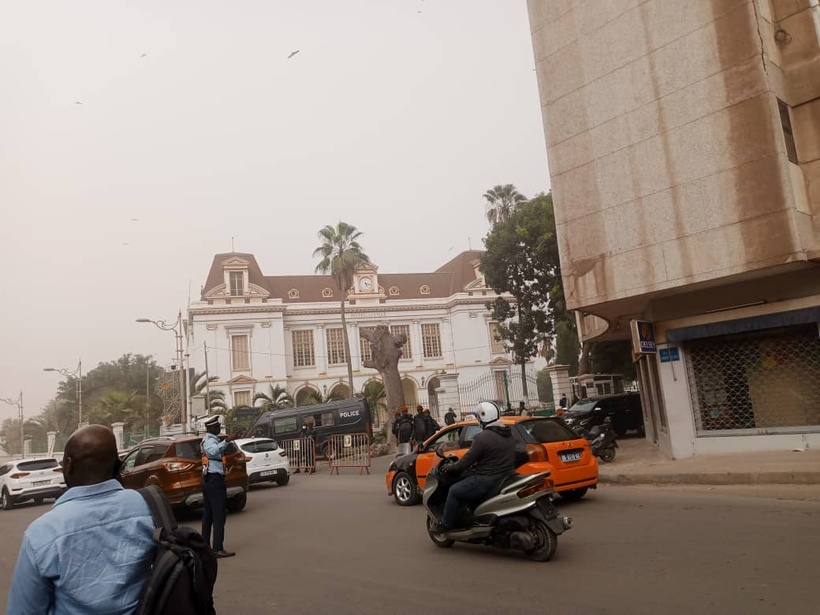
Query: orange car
x=543, y=443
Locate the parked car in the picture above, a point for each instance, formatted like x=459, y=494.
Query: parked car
x=175, y=465
x=266, y=461
x=624, y=409
x=22, y=480
x=542, y=443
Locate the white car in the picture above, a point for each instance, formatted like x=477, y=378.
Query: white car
x=266, y=460
x=30, y=479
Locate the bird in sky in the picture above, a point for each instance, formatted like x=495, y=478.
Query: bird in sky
x=142, y=55
x=77, y=102
x=135, y=219
x=292, y=53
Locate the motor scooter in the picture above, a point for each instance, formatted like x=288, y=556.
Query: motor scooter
x=520, y=517
x=602, y=441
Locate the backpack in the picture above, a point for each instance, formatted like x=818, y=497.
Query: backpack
x=183, y=573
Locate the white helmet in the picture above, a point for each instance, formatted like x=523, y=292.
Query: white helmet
x=487, y=412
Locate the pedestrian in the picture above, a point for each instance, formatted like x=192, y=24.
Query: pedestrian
x=449, y=417
x=309, y=440
x=522, y=408
x=574, y=400
x=92, y=552
x=419, y=428
x=563, y=401
x=214, y=493
x=395, y=426
x=431, y=426
x=404, y=431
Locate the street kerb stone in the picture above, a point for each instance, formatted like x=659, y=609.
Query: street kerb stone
x=715, y=478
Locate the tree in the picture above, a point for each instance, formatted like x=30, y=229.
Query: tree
x=544, y=383
x=315, y=397
x=10, y=434
x=276, y=398
x=341, y=255
x=522, y=262
x=501, y=201
x=612, y=357
x=373, y=391
x=117, y=406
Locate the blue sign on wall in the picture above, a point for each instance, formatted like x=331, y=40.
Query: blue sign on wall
x=667, y=355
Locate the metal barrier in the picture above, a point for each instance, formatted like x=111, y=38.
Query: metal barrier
x=349, y=451
x=301, y=453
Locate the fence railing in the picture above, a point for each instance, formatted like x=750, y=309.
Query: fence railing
x=501, y=386
x=301, y=453
x=349, y=451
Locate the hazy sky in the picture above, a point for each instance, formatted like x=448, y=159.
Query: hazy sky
x=388, y=118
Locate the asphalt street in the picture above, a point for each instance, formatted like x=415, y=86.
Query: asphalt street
x=338, y=544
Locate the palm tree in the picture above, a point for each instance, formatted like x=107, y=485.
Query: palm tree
x=199, y=382
x=501, y=200
x=116, y=406
x=315, y=397
x=376, y=398
x=275, y=399
x=341, y=254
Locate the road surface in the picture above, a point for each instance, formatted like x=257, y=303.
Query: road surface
x=339, y=545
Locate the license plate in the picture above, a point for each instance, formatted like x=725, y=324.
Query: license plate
x=40, y=483
x=573, y=456
x=267, y=473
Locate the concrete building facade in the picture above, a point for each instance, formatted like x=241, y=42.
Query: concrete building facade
x=684, y=151
x=254, y=331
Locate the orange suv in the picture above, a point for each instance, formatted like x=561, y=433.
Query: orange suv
x=175, y=465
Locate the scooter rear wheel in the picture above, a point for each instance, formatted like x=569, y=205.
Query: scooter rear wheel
x=440, y=540
x=546, y=542
x=608, y=454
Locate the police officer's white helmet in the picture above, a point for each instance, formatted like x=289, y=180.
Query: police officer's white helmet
x=487, y=412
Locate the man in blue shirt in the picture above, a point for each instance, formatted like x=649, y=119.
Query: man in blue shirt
x=92, y=552
x=214, y=493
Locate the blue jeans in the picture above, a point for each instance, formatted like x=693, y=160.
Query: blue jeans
x=471, y=491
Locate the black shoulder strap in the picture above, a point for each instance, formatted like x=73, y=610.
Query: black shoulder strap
x=160, y=508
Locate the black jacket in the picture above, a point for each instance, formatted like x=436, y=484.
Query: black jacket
x=492, y=452
x=430, y=425
x=419, y=428
x=404, y=429
x=450, y=417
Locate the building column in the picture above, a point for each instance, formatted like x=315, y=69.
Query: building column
x=117, y=428
x=355, y=347
x=418, y=347
x=448, y=393
x=559, y=376
x=321, y=347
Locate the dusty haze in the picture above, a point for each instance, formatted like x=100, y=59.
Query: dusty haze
x=193, y=122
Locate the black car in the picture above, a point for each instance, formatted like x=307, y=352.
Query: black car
x=624, y=409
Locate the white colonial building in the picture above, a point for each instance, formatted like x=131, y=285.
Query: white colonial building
x=253, y=331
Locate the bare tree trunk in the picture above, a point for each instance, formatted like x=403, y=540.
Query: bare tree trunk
x=347, y=351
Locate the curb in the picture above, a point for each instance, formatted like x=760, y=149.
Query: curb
x=713, y=478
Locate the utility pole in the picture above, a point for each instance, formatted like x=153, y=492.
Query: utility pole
x=207, y=382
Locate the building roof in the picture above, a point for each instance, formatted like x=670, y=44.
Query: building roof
x=452, y=277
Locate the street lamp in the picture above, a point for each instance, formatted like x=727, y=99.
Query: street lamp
x=183, y=375
x=19, y=403
x=78, y=374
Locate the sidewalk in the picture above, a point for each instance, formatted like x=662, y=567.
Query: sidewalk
x=640, y=463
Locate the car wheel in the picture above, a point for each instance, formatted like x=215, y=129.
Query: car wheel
x=283, y=481
x=404, y=490
x=6, y=503
x=573, y=495
x=238, y=503
x=546, y=542
x=440, y=540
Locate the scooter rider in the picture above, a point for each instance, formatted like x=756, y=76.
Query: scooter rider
x=492, y=455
